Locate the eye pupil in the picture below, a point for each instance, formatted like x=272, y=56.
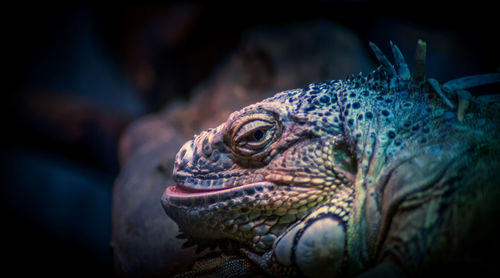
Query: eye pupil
x=258, y=134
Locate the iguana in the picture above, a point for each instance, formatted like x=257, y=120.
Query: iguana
x=383, y=173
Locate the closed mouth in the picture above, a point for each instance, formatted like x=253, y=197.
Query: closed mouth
x=182, y=191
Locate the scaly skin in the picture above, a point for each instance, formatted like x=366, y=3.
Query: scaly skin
x=340, y=176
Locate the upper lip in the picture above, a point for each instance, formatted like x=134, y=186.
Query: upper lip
x=194, y=191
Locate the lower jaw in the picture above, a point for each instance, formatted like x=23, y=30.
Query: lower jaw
x=225, y=221
x=199, y=227
x=199, y=213
x=212, y=215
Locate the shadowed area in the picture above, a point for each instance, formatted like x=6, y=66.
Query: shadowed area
x=100, y=98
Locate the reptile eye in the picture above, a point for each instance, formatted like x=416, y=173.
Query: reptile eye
x=258, y=134
x=253, y=134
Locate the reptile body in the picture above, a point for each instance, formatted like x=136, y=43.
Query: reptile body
x=377, y=171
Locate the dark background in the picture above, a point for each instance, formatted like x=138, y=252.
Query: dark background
x=77, y=75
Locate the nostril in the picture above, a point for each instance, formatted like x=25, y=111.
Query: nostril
x=184, y=156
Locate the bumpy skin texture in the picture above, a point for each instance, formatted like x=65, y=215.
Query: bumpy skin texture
x=341, y=176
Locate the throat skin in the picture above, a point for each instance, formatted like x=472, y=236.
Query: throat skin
x=385, y=182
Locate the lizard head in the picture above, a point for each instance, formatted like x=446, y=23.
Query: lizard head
x=269, y=165
x=350, y=149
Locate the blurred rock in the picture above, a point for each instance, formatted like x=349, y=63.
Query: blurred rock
x=268, y=60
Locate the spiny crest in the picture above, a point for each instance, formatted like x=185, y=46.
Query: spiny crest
x=395, y=76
